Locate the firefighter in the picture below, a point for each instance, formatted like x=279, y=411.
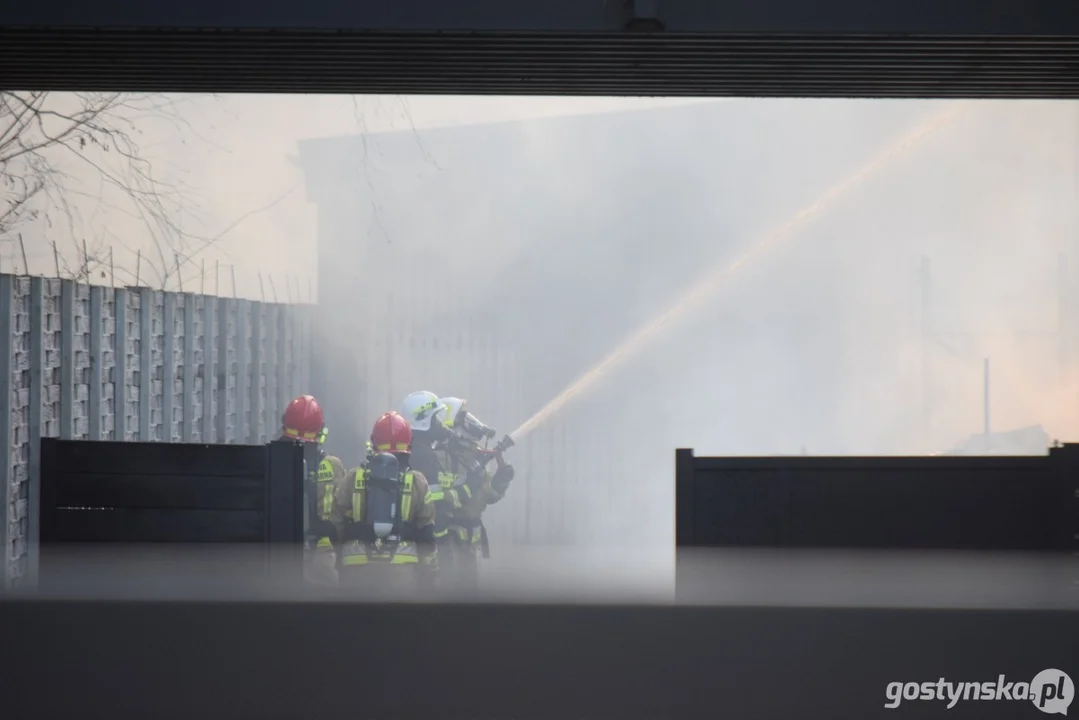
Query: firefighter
x=468, y=432
x=384, y=518
x=303, y=421
x=445, y=447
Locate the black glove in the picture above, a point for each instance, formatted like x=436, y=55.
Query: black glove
x=363, y=532
x=322, y=528
x=502, y=479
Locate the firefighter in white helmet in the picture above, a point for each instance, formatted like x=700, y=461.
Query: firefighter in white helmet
x=446, y=450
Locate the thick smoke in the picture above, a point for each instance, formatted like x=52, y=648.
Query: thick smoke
x=550, y=241
x=499, y=262
x=228, y=178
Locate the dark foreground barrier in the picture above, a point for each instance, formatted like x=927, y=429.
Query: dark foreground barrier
x=478, y=662
x=124, y=496
x=920, y=503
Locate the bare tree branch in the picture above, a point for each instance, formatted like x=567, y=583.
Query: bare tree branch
x=51, y=143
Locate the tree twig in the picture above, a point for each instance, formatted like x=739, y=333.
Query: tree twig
x=25, y=264
x=40, y=130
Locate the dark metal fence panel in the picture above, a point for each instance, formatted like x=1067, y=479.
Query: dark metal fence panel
x=140, y=493
x=969, y=503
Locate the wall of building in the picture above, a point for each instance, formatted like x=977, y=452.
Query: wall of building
x=540, y=247
x=96, y=363
x=503, y=262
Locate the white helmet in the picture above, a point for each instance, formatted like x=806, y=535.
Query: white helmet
x=420, y=407
x=453, y=406
x=458, y=419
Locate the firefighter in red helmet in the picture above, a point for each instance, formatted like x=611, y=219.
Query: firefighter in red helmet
x=303, y=421
x=385, y=519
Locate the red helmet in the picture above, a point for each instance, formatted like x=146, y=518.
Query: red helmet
x=303, y=420
x=392, y=434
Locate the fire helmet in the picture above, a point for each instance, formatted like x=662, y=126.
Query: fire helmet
x=421, y=408
x=391, y=434
x=303, y=420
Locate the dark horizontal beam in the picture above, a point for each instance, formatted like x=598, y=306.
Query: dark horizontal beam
x=937, y=464
x=290, y=61
x=127, y=525
x=212, y=660
x=890, y=17
x=192, y=492
x=142, y=459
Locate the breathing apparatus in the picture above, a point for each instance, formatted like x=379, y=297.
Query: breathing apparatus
x=475, y=457
x=462, y=432
x=469, y=426
x=383, y=494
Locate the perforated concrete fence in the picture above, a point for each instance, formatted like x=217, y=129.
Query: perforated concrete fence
x=88, y=362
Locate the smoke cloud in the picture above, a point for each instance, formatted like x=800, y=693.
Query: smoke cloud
x=499, y=261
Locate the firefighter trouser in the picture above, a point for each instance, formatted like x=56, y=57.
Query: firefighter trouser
x=385, y=574
x=458, y=558
x=320, y=565
x=382, y=581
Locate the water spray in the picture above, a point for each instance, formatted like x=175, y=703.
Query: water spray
x=706, y=288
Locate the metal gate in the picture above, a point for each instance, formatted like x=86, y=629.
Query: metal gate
x=114, y=507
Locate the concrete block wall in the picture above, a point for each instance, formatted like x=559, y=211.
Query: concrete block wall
x=96, y=363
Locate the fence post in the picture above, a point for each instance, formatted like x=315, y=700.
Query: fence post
x=284, y=510
x=189, y=369
x=146, y=341
x=269, y=368
x=295, y=348
x=305, y=348
x=119, y=366
x=67, y=359
x=7, y=309
x=241, y=369
x=168, y=371
x=37, y=367
x=282, y=360
x=224, y=368
x=96, y=330
x=684, y=492
x=255, y=377
x=209, y=432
